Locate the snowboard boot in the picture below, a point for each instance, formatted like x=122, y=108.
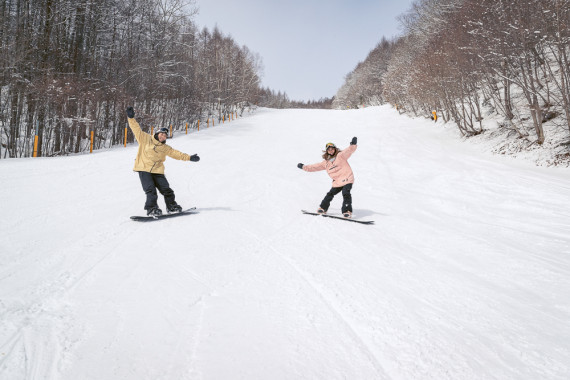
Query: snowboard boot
x=154, y=212
x=321, y=211
x=174, y=209
x=347, y=214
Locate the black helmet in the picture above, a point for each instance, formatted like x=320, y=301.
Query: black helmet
x=161, y=130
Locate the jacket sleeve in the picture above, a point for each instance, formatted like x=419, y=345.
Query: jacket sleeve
x=315, y=167
x=177, y=155
x=137, y=131
x=347, y=152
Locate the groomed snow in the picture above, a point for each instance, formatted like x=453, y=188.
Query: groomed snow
x=465, y=275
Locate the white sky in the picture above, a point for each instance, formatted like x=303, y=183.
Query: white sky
x=307, y=46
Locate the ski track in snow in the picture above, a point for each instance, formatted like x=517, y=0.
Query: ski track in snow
x=352, y=332
x=465, y=274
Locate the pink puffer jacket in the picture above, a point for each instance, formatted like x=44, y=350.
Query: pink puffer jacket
x=338, y=169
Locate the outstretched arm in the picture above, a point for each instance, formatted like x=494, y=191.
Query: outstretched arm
x=315, y=167
x=177, y=155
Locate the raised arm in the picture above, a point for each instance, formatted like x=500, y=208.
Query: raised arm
x=134, y=125
x=348, y=151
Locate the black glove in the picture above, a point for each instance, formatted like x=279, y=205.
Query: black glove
x=353, y=142
x=130, y=112
x=300, y=166
x=194, y=158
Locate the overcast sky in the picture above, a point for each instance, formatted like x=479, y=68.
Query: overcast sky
x=307, y=46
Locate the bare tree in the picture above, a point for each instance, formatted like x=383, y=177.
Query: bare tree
x=69, y=68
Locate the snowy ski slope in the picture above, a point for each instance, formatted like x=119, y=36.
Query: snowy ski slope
x=465, y=275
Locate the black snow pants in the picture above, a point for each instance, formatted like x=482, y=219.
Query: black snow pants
x=150, y=182
x=347, y=198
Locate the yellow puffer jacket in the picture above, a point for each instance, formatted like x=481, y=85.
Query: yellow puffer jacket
x=152, y=153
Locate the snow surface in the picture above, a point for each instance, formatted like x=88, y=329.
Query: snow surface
x=465, y=275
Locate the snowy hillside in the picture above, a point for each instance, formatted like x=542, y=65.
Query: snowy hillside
x=465, y=275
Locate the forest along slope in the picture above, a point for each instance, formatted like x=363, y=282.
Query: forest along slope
x=465, y=275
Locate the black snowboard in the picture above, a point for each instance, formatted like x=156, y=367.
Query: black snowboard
x=339, y=217
x=164, y=216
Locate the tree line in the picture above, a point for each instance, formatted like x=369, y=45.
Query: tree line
x=460, y=57
x=269, y=98
x=70, y=67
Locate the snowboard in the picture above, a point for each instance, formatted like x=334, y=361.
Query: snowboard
x=339, y=217
x=189, y=211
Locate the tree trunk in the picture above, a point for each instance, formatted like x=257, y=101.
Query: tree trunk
x=507, y=95
x=41, y=123
x=537, y=118
x=14, y=124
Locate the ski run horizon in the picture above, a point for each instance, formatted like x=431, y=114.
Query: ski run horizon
x=464, y=275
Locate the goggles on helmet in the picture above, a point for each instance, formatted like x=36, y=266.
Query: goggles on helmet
x=330, y=145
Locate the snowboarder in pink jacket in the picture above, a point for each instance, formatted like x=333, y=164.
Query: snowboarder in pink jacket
x=335, y=162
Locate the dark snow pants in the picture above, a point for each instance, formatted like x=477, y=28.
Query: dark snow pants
x=347, y=198
x=152, y=181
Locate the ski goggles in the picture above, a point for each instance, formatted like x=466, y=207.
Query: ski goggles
x=330, y=145
x=162, y=130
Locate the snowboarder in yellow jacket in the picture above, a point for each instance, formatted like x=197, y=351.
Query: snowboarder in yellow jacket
x=149, y=163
